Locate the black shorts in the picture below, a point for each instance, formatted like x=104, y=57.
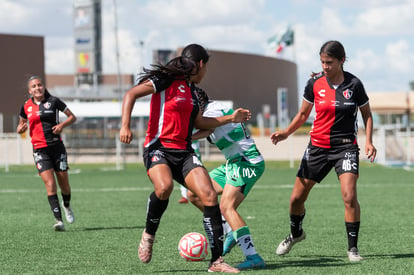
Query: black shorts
x=181, y=162
x=53, y=156
x=317, y=162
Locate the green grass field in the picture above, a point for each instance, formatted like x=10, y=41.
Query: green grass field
x=110, y=205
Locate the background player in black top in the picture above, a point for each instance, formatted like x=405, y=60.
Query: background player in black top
x=336, y=95
x=41, y=110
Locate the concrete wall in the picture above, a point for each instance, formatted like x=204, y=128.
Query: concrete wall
x=54, y=80
x=250, y=80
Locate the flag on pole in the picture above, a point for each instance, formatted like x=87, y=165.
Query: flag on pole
x=282, y=40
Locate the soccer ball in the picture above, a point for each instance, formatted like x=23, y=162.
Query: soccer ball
x=193, y=247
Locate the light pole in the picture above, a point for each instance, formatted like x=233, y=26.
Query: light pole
x=119, y=165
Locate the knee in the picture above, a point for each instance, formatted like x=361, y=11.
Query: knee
x=192, y=197
x=50, y=184
x=296, y=200
x=163, y=192
x=209, y=197
x=349, y=196
x=350, y=201
x=225, y=210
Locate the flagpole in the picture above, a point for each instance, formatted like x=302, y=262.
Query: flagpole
x=294, y=45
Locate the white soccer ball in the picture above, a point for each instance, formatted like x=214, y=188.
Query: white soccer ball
x=193, y=247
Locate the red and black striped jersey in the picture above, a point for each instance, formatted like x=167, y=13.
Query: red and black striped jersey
x=42, y=117
x=336, y=109
x=172, y=113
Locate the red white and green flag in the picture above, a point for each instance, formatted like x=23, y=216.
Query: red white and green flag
x=282, y=40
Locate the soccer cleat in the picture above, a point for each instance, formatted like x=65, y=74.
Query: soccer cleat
x=183, y=200
x=70, y=217
x=286, y=245
x=252, y=261
x=220, y=266
x=229, y=243
x=59, y=226
x=353, y=255
x=145, y=247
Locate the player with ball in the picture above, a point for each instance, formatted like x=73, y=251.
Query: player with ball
x=168, y=154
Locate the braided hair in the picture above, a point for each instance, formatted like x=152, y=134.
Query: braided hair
x=202, y=98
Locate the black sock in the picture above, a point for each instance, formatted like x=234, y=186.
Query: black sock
x=66, y=200
x=54, y=205
x=296, y=225
x=352, y=230
x=214, y=230
x=155, y=209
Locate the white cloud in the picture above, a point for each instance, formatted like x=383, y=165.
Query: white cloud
x=332, y=23
x=387, y=20
x=388, y=71
x=187, y=13
x=60, y=61
x=12, y=14
x=399, y=57
x=219, y=25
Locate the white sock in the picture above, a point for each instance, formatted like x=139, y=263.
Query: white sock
x=245, y=241
x=183, y=191
x=226, y=226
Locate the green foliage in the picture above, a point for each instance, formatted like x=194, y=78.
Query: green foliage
x=110, y=205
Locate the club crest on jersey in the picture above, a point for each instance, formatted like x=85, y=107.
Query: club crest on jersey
x=155, y=158
x=156, y=155
x=47, y=105
x=347, y=93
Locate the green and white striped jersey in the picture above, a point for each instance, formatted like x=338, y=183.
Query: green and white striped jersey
x=233, y=139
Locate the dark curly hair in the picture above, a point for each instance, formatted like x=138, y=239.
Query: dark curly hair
x=180, y=67
x=202, y=98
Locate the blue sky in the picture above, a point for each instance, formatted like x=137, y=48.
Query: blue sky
x=378, y=35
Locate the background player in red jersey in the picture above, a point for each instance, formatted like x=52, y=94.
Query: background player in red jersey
x=49, y=152
x=336, y=95
x=168, y=154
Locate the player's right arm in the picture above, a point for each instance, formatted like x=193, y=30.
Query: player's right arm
x=140, y=90
x=297, y=121
x=22, y=126
x=370, y=149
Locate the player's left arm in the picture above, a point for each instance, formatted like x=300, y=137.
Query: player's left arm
x=202, y=134
x=370, y=150
x=239, y=115
x=71, y=118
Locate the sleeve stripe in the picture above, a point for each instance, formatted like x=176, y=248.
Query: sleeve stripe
x=307, y=100
x=362, y=105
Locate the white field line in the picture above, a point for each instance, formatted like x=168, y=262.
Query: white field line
x=149, y=188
